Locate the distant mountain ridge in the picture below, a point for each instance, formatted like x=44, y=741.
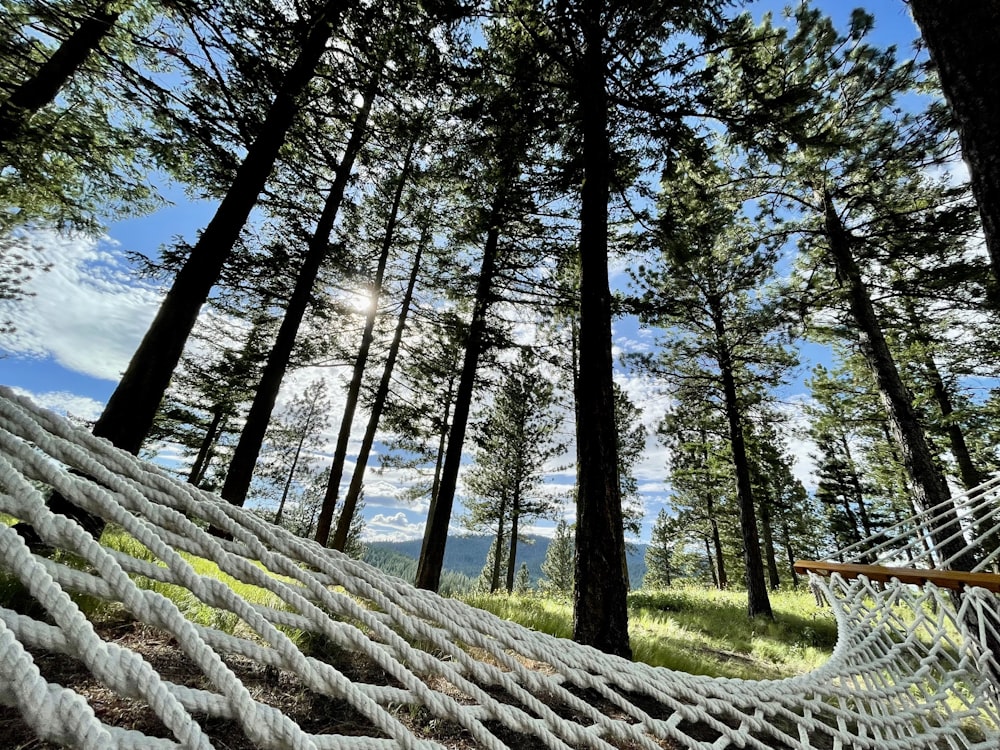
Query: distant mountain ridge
x=466, y=555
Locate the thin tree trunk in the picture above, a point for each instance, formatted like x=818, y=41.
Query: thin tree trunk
x=961, y=36
x=205, y=449
x=855, y=481
x=252, y=437
x=498, y=550
x=720, y=560
x=515, y=517
x=713, y=522
x=971, y=476
x=381, y=395
x=288, y=481
x=600, y=611
x=41, y=88
x=130, y=410
x=711, y=564
x=361, y=361
x=773, y=579
x=439, y=514
x=786, y=542
x=929, y=486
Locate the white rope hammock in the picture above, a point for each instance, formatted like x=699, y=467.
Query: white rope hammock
x=909, y=671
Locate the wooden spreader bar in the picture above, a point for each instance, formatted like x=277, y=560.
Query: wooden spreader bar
x=947, y=579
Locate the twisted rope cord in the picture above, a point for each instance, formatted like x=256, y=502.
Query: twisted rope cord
x=894, y=680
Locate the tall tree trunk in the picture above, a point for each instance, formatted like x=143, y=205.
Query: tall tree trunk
x=758, y=602
x=439, y=515
x=361, y=361
x=41, y=89
x=442, y=447
x=200, y=465
x=130, y=410
x=961, y=36
x=600, y=610
x=252, y=437
x=773, y=579
x=928, y=483
x=358, y=478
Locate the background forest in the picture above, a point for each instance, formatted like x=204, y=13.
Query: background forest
x=513, y=267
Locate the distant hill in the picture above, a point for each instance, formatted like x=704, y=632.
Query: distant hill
x=466, y=555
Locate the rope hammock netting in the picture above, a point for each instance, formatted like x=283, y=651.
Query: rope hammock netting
x=382, y=664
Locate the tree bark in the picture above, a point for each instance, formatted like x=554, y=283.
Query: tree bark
x=361, y=361
x=961, y=36
x=439, y=515
x=41, y=88
x=859, y=495
x=358, y=478
x=252, y=437
x=928, y=483
x=130, y=410
x=758, y=602
x=600, y=610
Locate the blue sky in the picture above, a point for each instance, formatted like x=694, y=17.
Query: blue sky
x=86, y=316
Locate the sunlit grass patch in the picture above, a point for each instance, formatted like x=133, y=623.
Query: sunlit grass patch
x=698, y=630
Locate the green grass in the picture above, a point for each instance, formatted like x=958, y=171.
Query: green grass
x=698, y=630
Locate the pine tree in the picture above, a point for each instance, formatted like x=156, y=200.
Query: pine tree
x=663, y=542
x=523, y=583
x=558, y=565
x=73, y=152
x=496, y=559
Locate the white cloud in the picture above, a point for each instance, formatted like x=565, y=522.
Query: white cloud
x=63, y=402
x=86, y=313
